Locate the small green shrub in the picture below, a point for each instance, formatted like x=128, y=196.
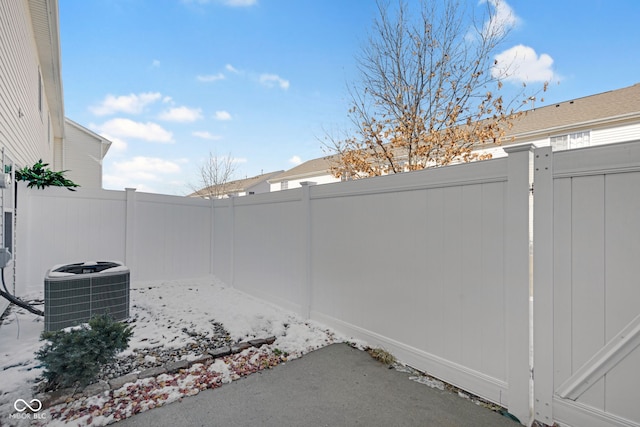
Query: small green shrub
x=76, y=356
x=279, y=352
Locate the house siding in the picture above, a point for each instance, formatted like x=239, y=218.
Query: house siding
x=24, y=128
x=623, y=133
x=82, y=156
x=262, y=187
x=26, y=104
x=326, y=178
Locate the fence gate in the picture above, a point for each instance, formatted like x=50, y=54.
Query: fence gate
x=587, y=286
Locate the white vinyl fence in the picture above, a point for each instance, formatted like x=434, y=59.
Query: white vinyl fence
x=587, y=286
x=432, y=265
x=156, y=236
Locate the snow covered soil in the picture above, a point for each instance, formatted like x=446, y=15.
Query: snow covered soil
x=167, y=315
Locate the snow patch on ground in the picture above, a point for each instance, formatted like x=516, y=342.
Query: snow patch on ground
x=162, y=309
x=431, y=382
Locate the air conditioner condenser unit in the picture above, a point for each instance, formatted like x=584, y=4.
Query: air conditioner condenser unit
x=73, y=293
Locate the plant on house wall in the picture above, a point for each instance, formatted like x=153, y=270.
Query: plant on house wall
x=40, y=176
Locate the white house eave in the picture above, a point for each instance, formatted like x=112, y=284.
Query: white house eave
x=106, y=144
x=44, y=18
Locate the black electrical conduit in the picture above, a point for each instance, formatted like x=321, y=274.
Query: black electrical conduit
x=17, y=301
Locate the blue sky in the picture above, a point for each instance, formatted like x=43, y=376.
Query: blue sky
x=169, y=81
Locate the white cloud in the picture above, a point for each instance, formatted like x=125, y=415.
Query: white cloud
x=146, y=167
x=222, y=115
x=231, y=68
x=125, y=128
x=155, y=63
x=206, y=135
x=131, y=104
x=522, y=64
x=271, y=80
x=142, y=173
x=117, y=145
x=211, y=77
x=502, y=20
x=181, y=114
x=240, y=3
x=296, y=160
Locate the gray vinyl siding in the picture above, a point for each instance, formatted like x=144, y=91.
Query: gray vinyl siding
x=24, y=128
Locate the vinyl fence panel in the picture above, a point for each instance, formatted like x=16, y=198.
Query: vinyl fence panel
x=156, y=236
x=591, y=286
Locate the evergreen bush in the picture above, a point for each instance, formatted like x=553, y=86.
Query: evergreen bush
x=75, y=356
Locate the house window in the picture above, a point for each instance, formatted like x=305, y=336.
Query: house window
x=284, y=185
x=572, y=140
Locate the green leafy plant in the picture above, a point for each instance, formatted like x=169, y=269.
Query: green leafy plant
x=75, y=356
x=40, y=176
x=279, y=352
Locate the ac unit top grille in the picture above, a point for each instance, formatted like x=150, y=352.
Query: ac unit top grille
x=86, y=267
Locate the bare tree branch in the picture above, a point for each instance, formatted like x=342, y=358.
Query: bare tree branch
x=426, y=95
x=215, y=174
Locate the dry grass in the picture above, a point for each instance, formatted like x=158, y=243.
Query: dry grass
x=382, y=355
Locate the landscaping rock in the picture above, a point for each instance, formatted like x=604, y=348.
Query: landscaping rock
x=237, y=348
x=174, y=367
x=258, y=342
x=120, y=381
x=57, y=397
x=95, y=388
x=220, y=352
x=153, y=372
x=270, y=340
x=202, y=359
x=155, y=356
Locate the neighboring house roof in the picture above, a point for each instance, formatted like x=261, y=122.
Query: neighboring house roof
x=44, y=18
x=594, y=110
x=307, y=169
x=603, y=108
x=237, y=186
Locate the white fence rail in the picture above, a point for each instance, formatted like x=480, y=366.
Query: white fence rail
x=432, y=265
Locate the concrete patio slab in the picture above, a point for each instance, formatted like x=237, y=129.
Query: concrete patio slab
x=334, y=386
